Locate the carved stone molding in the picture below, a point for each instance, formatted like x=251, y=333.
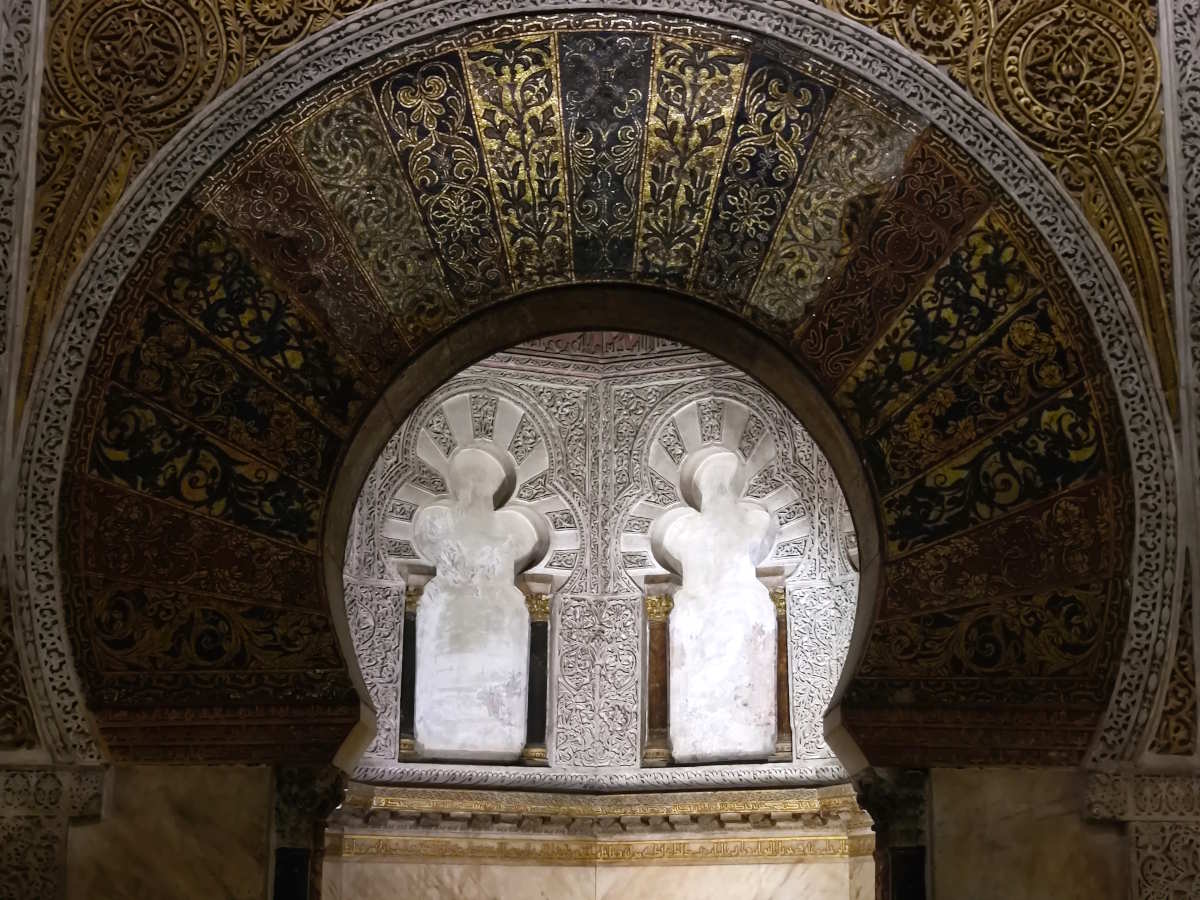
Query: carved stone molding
x=804, y=824
x=930, y=93
x=1166, y=859
x=1129, y=797
x=36, y=806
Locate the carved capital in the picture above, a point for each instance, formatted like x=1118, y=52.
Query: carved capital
x=412, y=599
x=658, y=607
x=538, y=606
x=779, y=598
x=897, y=801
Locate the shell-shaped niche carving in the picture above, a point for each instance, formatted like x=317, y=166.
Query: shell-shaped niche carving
x=511, y=431
x=772, y=473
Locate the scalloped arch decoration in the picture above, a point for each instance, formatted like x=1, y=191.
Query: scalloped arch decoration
x=998, y=194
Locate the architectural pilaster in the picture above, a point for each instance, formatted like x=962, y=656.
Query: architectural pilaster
x=36, y=807
x=1162, y=816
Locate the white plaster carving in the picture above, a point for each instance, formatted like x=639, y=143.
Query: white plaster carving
x=472, y=625
x=596, y=664
x=722, y=627
x=38, y=601
x=820, y=618
x=1166, y=859
x=376, y=613
x=36, y=806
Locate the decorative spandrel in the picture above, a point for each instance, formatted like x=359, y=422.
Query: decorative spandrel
x=472, y=623
x=722, y=626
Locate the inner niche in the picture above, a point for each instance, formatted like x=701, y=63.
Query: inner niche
x=601, y=553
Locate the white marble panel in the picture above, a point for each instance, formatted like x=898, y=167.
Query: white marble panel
x=769, y=881
x=343, y=880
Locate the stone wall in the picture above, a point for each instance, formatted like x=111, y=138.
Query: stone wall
x=178, y=832
x=1019, y=834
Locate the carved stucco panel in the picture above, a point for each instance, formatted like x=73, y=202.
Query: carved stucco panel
x=376, y=615
x=1166, y=859
x=207, y=139
x=597, y=662
x=820, y=617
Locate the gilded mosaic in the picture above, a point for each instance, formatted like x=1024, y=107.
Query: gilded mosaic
x=387, y=206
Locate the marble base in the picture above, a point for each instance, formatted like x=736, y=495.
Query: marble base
x=353, y=880
x=183, y=832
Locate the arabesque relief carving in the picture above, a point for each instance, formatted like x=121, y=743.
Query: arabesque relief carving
x=1078, y=426
x=1077, y=79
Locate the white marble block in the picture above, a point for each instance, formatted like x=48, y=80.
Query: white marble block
x=722, y=629
x=472, y=623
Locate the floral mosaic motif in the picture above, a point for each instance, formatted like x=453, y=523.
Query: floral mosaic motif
x=1063, y=540
x=974, y=292
x=1042, y=453
x=1023, y=363
x=206, y=555
x=429, y=118
x=1042, y=634
x=857, y=151
x=773, y=132
x=168, y=361
x=138, y=627
x=889, y=260
x=923, y=214
x=274, y=210
x=349, y=156
x=636, y=560
x=514, y=89
x=693, y=94
x=605, y=84
x=212, y=283
x=152, y=452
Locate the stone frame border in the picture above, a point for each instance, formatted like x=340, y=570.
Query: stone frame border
x=38, y=605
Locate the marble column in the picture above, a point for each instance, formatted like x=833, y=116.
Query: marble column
x=304, y=798
x=897, y=801
x=408, y=672
x=657, y=751
x=534, y=753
